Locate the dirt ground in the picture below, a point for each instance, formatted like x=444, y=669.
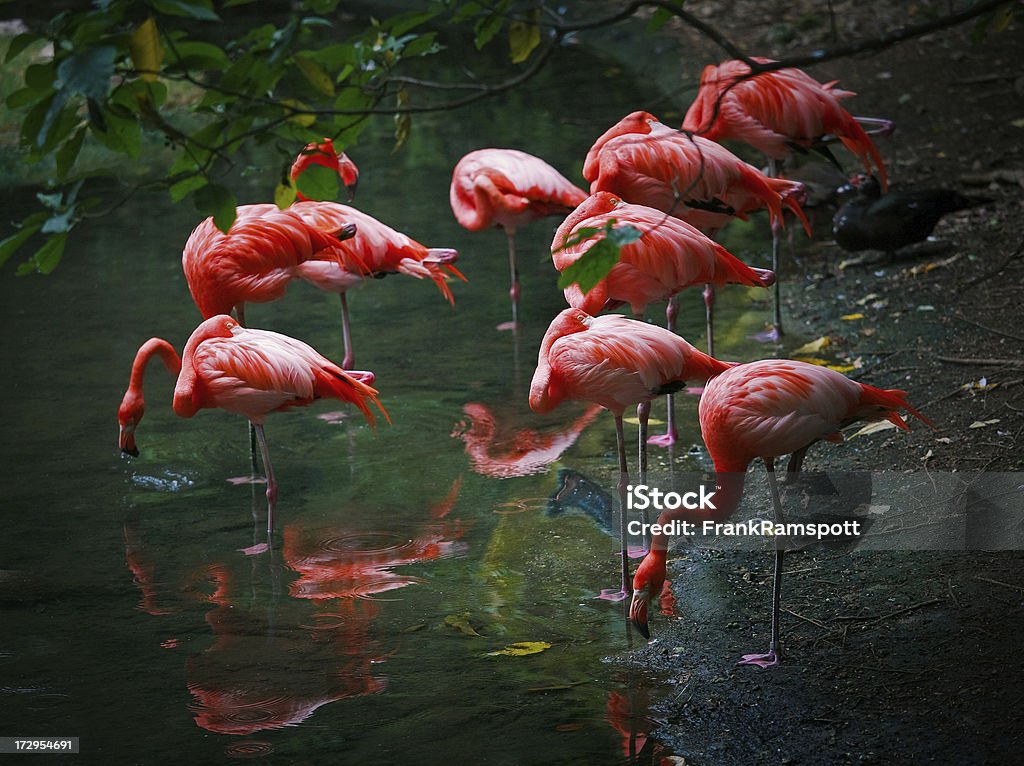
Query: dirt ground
x=893, y=656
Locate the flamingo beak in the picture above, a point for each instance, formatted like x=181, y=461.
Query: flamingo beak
x=346, y=232
x=363, y=376
x=638, y=610
x=126, y=441
x=351, y=189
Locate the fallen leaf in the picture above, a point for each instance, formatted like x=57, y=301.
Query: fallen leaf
x=650, y=421
x=870, y=428
x=867, y=332
x=925, y=307
x=461, y=624
x=983, y=423
x=521, y=649
x=868, y=298
x=843, y=368
x=944, y=440
x=1018, y=123
x=851, y=317
x=813, y=346
x=928, y=456
x=813, y=360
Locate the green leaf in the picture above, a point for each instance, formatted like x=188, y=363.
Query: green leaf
x=199, y=55
x=183, y=188
x=598, y=260
x=25, y=96
x=200, y=11
x=284, y=194
x=487, y=28
x=218, y=201
x=422, y=46
x=88, y=73
x=16, y=240
x=46, y=258
x=523, y=37
x=68, y=153
x=316, y=75
x=20, y=43
x=399, y=25
x=317, y=182
x=120, y=133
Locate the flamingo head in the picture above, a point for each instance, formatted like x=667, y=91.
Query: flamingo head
x=545, y=391
x=128, y=416
x=349, y=174
x=647, y=584
x=325, y=155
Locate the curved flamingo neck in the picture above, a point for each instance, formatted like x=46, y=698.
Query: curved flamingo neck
x=149, y=349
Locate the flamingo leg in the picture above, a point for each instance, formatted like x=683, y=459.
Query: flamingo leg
x=643, y=414
x=671, y=435
x=240, y=316
x=709, y=315
x=776, y=331
x=268, y=468
x=514, y=289
x=346, y=334
x=774, y=653
x=626, y=587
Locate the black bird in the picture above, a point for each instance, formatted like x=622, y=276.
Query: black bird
x=873, y=221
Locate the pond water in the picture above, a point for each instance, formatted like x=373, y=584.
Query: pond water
x=403, y=557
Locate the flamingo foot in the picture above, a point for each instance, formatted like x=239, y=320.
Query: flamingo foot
x=255, y=550
x=694, y=390
x=773, y=335
x=236, y=480
x=636, y=551
x=668, y=439
x=766, y=660
x=513, y=325
x=607, y=594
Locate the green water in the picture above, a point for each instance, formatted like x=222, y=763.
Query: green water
x=130, y=617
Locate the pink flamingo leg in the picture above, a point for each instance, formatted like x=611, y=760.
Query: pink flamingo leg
x=514, y=289
x=774, y=334
x=671, y=435
x=774, y=654
x=346, y=334
x=268, y=468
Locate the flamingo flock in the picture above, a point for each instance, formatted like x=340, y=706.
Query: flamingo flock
x=674, y=188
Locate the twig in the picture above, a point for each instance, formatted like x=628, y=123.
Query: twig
x=811, y=620
x=981, y=362
x=989, y=329
x=989, y=274
x=997, y=582
x=949, y=590
x=912, y=607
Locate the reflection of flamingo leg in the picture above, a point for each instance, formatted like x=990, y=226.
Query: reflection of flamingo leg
x=626, y=585
x=268, y=468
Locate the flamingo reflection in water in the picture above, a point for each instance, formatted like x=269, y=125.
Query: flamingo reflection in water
x=498, y=451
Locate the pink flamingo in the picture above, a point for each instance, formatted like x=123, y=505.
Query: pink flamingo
x=670, y=256
x=645, y=162
x=325, y=155
x=508, y=188
x=615, y=362
x=780, y=113
x=765, y=409
x=249, y=372
x=266, y=248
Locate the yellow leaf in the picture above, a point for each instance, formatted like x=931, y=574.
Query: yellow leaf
x=284, y=195
x=843, y=368
x=870, y=428
x=315, y=74
x=813, y=360
x=523, y=37
x=851, y=317
x=145, y=49
x=461, y=624
x=303, y=118
x=814, y=346
x=403, y=121
x=521, y=649
x=650, y=421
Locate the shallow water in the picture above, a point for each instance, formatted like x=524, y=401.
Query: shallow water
x=402, y=557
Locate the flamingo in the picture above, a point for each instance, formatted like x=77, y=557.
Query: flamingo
x=249, y=372
x=509, y=188
x=615, y=362
x=325, y=155
x=765, y=409
x=644, y=161
x=266, y=248
x=670, y=256
x=779, y=113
